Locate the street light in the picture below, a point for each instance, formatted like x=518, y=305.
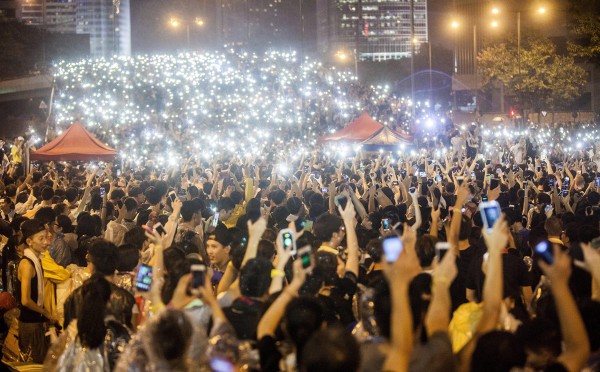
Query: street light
x=343, y=56
x=176, y=22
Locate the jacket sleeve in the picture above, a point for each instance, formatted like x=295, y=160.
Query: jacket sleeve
x=53, y=271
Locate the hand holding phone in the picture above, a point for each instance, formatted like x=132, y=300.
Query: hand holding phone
x=392, y=247
x=490, y=213
x=287, y=240
x=198, y=278
x=143, y=279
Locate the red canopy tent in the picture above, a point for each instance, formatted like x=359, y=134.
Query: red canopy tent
x=357, y=131
x=75, y=144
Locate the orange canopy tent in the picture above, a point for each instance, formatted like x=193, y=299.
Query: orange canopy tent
x=75, y=144
x=357, y=131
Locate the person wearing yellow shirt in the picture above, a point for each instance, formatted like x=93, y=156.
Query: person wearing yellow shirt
x=54, y=275
x=236, y=197
x=17, y=150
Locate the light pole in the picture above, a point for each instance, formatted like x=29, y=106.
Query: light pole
x=176, y=22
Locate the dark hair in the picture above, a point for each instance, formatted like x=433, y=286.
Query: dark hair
x=425, y=249
x=266, y=249
x=71, y=194
x=236, y=196
x=153, y=195
x=382, y=308
x=277, y=196
x=86, y=225
x=130, y=204
x=136, y=237
x=46, y=215
x=129, y=256
x=325, y=225
x=375, y=249
x=303, y=317
x=294, y=205
x=170, y=333
x=64, y=222
x=188, y=209
x=225, y=204
x=540, y=334
x=117, y=194
x=47, y=193
x=325, y=270
x=60, y=208
x=90, y=323
x=104, y=255
x=498, y=351
x=465, y=228
x=255, y=277
x=330, y=350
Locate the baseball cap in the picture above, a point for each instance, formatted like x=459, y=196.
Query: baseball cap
x=221, y=235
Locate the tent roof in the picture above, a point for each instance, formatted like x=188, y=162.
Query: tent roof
x=387, y=136
x=75, y=143
x=359, y=130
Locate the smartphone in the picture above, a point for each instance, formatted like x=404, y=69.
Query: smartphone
x=551, y=182
x=490, y=213
x=548, y=208
x=473, y=175
x=172, y=196
x=488, y=178
x=287, y=238
x=494, y=183
x=304, y=254
x=102, y=192
x=565, y=193
x=438, y=178
x=385, y=223
x=403, y=173
x=539, y=169
x=221, y=365
x=430, y=182
x=567, y=181
x=143, y=279
x=597, y=181
x=560, y=167
x=544, y=250
x=392, y=247
x=159, y=228
x=325, y=189
x=422, y=174
x=215, y=220
x=198, y=277
x=395, y=183
x=460, y=180
x=412, y=190
x=484, y=198
x=499, y=171
x=440, y=249
x=488, y=162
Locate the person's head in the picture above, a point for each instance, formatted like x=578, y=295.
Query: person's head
x=131, y=206
x=277, y=197
x=136, y=193
x=255, y=277
x=35, y=235
x=225, y=206
x=104, y=256
x=465, y=228
x=47, y=194
x=46, y=216
x=71, y=194
x=190, y=211
x=303, y=317
x=91, y=330
x=218, y=247
x=86, y=225
x=426, y=250
x=329, y=228
x=375, y=250
x=553, y=226
x=542, y=342
x=294, y=205
x=137, y=237
x=64, y=224
x=153, y=195
x=117, y=194
x=7, y=205
x=168, y=338
x=330, y=350
x=498, y=351
x=129, y=257
x=61, y=208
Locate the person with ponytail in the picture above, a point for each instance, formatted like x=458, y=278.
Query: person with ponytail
x=93, y=340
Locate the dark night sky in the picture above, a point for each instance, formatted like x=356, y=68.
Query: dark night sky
x=151, y=33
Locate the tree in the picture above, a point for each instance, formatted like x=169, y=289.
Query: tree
x=586, y=31
x=544, y=80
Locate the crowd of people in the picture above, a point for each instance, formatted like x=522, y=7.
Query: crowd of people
x=224, y=237
x=262, y=263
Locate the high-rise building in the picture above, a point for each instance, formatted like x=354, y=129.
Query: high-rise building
x=8, y=9
x=107, y=22
x=258, y=24
x=377, y=30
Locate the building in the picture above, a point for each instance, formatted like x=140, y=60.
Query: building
x=8, y=10
x=258, y=24
x=107, y=22
x=377, y=30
